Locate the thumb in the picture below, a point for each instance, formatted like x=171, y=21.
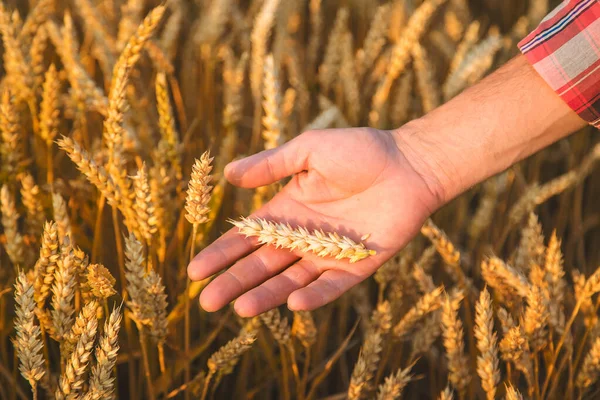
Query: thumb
x=269, y=166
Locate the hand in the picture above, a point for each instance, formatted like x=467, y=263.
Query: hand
x=352, y=181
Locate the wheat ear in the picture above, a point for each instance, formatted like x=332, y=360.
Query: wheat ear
x=28, y=344
x=392, y=387
x=318, y=242
x=429, y=302
x=15, y=246
x=487, y=361
x=590, y=370
x=304, y=329
x=49, y=109
x=453, y=334
x=102, y=381
x=260, y=35
x=366, y=366
x=72, y=380
x=512, y=393
x=198, y=193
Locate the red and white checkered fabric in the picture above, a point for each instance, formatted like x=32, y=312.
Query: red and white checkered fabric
x=565, y=50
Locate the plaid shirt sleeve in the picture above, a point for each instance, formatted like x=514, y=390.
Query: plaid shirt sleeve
x=565, y=50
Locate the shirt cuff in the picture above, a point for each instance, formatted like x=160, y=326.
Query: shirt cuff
x=565, y=50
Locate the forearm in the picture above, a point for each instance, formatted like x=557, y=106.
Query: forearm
x=508, y=116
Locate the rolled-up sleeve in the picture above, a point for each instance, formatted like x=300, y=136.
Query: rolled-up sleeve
x=565, y=50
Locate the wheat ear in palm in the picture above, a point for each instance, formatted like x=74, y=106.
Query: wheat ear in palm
x=323, y=244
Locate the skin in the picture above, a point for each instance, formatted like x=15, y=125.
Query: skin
x=383, y=183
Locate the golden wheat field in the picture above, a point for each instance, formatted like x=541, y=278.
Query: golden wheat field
x=117, y=118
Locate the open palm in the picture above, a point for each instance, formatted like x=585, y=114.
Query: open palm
x=352, y=181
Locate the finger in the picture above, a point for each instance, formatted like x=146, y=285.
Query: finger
x=269, y=166
x=222, y=253
x=244, y=275
x=276, y=290
x=328, y=287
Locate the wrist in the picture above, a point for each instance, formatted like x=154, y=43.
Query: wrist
x=426, y=158
x=505, y=118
